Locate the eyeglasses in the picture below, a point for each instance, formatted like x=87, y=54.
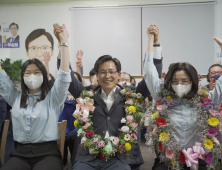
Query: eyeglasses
x=216, y=72
x=183, y=82
x=43, y=48
x=103, y=73
x=36, y=73
x=122, y=79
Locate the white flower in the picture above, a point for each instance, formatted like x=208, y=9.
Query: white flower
x=111, y=138
x=138, y=95
x=83, y=140
x=90, y=93
x=134, y=95
x=126, y=110
x=122, y=91
x=123, y=120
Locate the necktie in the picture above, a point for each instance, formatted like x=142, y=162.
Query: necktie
x=12, y=39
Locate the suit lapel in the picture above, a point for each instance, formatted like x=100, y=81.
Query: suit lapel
x=100, y=101
x=117, y=99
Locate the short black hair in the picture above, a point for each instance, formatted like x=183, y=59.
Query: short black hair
x=214, y=65
x=14, y=24
x=128, y=74
x=92, y=72
x=104, y=59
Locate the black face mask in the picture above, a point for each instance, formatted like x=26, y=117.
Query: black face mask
x=133, y=84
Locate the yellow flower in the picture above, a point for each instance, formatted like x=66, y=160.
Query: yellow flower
x=213, y=121
x=206, y=93
x=168, y=99
x=163, y=136
x=173, y=163
x=131, y=109
x=208, y=143
x=155, y=115
x=76, y=122
x=128, y=146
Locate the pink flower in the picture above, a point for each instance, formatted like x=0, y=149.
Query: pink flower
x=116, y=141
x=101, y=144
x=129, y=117
x=127, y=137
x=133, y=135
x=129, y=101
x=134, y=125
x=128, y=93
x=169, y=154
x=213, y=112
x=88, y=124
x=209, y=158
x=85, y=127
x=124, y=129
x=84, y=119
x=160, y=107
x=212, y=131
x=83, y=140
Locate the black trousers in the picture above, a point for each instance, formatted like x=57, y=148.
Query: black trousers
x=38, y=156
x=161, y=166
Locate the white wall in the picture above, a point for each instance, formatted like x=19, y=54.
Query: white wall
x=44, y=16
x=30, y=18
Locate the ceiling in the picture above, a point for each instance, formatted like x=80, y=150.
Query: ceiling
x=106, y=2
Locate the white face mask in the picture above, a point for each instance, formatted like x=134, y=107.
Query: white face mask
x=33, y=81
x=127, y=83
x=181, y=90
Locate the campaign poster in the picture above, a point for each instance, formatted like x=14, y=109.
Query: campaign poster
x=9, y=35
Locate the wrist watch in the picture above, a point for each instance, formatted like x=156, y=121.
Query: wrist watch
x=156, y=45
x=66, y=44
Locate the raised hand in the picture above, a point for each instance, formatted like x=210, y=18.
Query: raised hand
x=153, y=29
x=150, y=35
x=46, y=57
x=61, y=33
x=79, y=63
x=79, y=55
x=218, y=40
x=212, y=84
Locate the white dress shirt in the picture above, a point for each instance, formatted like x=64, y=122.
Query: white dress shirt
x=108, y=101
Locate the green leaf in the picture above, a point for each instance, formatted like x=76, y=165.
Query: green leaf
x=122, y=142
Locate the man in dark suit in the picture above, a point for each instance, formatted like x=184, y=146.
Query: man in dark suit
x=106, y=118
x=13, y=28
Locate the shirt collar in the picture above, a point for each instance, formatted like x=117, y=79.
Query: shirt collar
x=103, y=94
x=15, y=36
x=36, y=94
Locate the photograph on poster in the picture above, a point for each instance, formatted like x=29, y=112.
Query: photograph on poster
x=38, y=43
x=10, y=35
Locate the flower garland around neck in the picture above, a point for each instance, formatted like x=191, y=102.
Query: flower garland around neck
x=107, y=147
x=160, y=130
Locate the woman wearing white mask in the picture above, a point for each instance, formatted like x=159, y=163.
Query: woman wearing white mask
x=35, y=111
x=182, y=81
